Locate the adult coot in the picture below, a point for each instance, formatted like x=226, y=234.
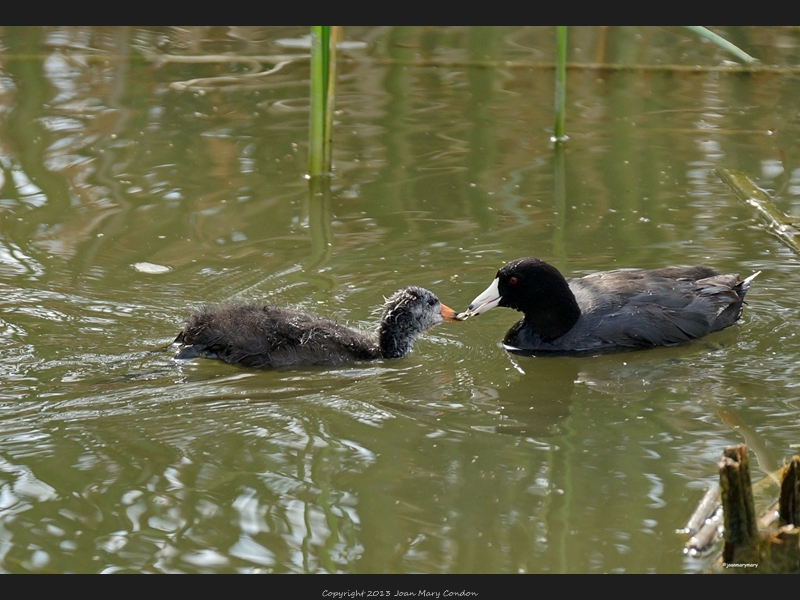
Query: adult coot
x=263, y=336
x=611, y=310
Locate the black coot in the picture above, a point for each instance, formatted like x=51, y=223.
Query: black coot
x=264, y=336
x=611, y=310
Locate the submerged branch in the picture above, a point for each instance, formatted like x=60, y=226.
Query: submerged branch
x=212, y=83
x=754, y=196
x=164, y=59
x=526, y=64
x=227, y=82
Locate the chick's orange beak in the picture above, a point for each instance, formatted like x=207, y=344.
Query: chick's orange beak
x=448, y=314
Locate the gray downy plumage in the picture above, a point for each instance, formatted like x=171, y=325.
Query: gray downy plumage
x=265, y=336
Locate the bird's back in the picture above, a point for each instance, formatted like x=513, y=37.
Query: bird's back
x=633, y=308
x=255, y=335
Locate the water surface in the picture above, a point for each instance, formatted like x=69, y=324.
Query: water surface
x=144, y=172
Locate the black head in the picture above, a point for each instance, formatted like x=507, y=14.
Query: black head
x=526, y=284
x=536, y=289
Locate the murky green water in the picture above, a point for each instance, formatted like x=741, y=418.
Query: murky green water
x=117, y=152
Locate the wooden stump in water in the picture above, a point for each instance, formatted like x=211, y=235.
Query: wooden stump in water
x=776, y=549
x=789, y=503
x=739, y=509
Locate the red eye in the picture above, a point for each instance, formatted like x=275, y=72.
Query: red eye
x=513, y=280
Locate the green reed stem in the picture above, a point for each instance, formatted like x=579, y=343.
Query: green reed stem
x=561, y=83
x=323, y=85
x=722, y=43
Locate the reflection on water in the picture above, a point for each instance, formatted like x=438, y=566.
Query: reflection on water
x=144, y=172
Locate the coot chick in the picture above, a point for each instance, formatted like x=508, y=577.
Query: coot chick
x=624, y=309
x=264, y=336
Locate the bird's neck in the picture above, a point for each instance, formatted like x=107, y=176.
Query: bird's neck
x=552, y=319
x=392, y=342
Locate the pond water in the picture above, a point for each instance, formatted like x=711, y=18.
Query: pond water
x=144, y=172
